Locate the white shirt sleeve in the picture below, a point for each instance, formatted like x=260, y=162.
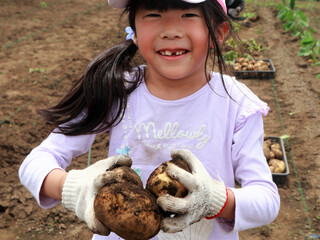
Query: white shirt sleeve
x=55, y=152
x=257, y=201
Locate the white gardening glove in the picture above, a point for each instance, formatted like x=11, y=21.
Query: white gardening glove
x=206, y=196
x=82, y=186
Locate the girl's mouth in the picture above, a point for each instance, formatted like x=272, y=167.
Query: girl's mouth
x=172, y=52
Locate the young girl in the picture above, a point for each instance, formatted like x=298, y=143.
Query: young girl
x=171, y=107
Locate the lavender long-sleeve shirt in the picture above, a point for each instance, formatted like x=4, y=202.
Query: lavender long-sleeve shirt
x=225, y=134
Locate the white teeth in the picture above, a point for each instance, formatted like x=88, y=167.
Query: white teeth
x=169, y=53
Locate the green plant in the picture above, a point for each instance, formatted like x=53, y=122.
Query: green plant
x=291, y=3
x=253, y=45
x=232, y=49
x=294, y=20
x=32, y=70
x=43, y=5
x=231, y=43
x=237, y=26
x=230, y=56
x=309, y=46
x=249, y=14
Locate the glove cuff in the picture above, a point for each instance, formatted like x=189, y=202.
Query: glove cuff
x=220, y=193
x=69, y=191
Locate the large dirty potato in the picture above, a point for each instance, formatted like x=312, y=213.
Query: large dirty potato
x=159, y=183
x=127, y=208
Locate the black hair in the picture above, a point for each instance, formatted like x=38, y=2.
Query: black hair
x=101, y=93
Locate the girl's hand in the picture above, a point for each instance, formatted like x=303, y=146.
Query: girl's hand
x=82, y=186
x=206, y=196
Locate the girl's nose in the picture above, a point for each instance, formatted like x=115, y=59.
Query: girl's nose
x=171, y=34
x=171, y=29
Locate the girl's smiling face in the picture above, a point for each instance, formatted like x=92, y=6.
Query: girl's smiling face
x=174, y=43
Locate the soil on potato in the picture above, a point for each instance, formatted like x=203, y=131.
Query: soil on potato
x=46, y=45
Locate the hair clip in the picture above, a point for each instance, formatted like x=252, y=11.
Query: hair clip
x=130, y=33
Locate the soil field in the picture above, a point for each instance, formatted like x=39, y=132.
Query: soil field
x=45, y=46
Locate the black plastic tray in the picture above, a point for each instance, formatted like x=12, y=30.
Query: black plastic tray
x=268, y=74
x=280, y=178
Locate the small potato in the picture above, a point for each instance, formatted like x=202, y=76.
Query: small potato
x=277, y=153
x=266, y=152
x=258, y=64
x=242, y=60
x=244, y=64
x=276, y=149
x=277, y=166
x=268, y=142
x=237, y=68
x=265, y=145
x=250, y=67
x=275, y=146
x=272, y=155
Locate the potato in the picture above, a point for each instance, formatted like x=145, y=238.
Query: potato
x=266, y=152
x=276, y=149
x=275, y=146
x=125, y=174
x=272, y=155
x=126, y=208
x=159, y=183
x=277, y=166
x=251, y=64
x=245, y=64
x=251, y=67
x=277, y=153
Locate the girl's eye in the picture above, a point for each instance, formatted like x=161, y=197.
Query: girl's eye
x=189, y=15
x=152, y=15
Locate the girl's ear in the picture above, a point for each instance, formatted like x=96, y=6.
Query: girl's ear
x=222, y=31
x=135, y=40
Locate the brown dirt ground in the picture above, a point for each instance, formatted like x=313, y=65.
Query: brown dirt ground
x=43, y=50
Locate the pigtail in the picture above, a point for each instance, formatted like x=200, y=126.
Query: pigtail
x=216, y=53
x=97, y=100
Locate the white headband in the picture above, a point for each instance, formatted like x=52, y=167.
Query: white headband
x=124, y=3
